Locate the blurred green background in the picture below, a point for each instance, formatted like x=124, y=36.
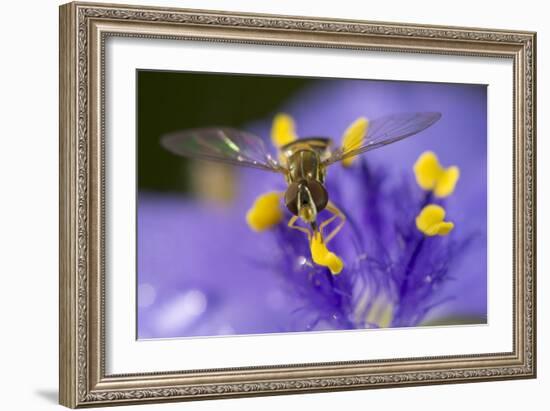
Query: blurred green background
x=171, y=101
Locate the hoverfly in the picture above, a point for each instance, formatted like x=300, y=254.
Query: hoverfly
x=302, y=162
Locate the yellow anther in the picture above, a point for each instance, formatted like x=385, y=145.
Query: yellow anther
x=283, y=130
x=322, y=256
x=265, y=212
x=447, y=181
x=353, y=138
x=431, y=222
x=430, y=175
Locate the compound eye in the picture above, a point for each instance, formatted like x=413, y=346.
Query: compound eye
x=318, y=193
x=291, y=198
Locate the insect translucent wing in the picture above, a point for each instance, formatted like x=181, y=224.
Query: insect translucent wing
x=225, y=145
x=386, y=130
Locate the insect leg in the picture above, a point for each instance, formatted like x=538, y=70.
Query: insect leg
x=336, y=214
x=327, y=222
x=292, y=224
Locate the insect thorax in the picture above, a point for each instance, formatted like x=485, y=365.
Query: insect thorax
x=304, y=159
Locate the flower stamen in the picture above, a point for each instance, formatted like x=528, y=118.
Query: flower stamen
x=431, y=175
x=283, y=130
x=353, y=138
x=266, y=212
x=431, y=222
x=322, y=256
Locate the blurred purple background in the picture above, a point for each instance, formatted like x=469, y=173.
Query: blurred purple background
x=202, y=271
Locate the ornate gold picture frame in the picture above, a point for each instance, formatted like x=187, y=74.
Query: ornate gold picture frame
x=84, y=30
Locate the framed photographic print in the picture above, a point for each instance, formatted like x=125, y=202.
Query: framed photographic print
x=259, y=204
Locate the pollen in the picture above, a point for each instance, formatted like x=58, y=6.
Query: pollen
x=431, y=222
x=431, y=175
x=266, y=212
x=283, y=130
x=322, y=256
x=353, y=138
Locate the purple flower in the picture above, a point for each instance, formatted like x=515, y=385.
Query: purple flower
x=201, y=271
